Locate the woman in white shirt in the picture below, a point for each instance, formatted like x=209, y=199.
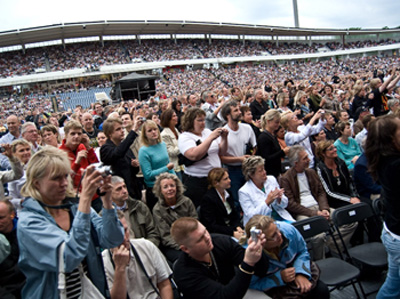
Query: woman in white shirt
x=200, y=148
x=261, y=194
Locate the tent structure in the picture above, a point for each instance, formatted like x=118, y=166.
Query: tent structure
x=133, y=86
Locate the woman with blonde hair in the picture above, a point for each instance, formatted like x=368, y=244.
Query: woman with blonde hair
x=268, y=146
x=301, y=104
x=50, y=218
x=153, y=158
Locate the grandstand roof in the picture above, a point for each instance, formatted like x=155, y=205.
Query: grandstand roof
x=109, y=28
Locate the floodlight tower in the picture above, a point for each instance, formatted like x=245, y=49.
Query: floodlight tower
x=296, y=14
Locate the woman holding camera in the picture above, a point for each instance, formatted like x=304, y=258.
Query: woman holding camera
x=49, y=219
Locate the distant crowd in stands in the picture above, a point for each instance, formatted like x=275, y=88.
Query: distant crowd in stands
x=280, y=142
x=93, y=55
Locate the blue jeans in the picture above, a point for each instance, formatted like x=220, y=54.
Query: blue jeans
x=237, y=181
x=391, y=287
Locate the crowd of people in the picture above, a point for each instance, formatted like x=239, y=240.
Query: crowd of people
x=178, y=182
x=93, y=55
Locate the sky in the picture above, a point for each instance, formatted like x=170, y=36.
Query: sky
x=17, y=14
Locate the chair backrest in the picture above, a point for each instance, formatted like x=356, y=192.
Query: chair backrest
x=312, y=226
x=378, y=207
x=351, y=213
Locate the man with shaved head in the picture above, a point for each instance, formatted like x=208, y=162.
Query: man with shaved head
x=89, y=129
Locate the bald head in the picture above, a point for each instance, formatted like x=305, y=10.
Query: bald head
x=13, y=125
x=87, y=121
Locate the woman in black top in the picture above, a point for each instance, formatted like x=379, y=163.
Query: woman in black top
x=383, y=154
x=217, y=210
x=335, y=176
x=268, y=146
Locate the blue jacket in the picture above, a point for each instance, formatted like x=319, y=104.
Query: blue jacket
x=39, y=238
x=293, y=254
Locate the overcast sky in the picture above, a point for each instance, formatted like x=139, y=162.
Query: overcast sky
x=16, y=14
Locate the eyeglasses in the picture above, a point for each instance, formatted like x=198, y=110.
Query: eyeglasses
x=31, y=131
x=331, y=148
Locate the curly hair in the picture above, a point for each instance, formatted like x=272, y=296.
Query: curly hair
x=250, y=165
x=168, y=176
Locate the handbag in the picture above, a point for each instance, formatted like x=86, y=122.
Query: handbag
x=89, y=290
x=182, y=160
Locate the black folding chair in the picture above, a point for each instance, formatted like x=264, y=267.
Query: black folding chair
x=377, y=205
x=372, y=254
x=335, y=272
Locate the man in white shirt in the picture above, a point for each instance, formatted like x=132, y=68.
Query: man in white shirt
x=241, y=144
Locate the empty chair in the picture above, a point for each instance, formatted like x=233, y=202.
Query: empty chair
x=372, y=254
x=335, y=272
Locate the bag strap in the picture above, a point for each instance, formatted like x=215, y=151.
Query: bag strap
x=61, y=272
x=139, y=261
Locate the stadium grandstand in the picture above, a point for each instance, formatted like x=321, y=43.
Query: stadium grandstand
x=65, y=59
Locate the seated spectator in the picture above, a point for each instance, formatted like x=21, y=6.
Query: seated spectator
x=11, y=279
x=361, y=136
x=393, y=104
x=307, y=198
x=171, y=205
x=16, y=171
x=137, y=214
x=116, y=152
x=335, y=176
x=153, y=159
x=208, y=266
x=347, y=148
x=290, y=274
x=297, y=133
x=22, y=151
x=217, y=210
x=124, y=272
x=261, y=194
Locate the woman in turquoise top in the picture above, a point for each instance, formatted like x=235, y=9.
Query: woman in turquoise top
x=347, y=148
x=153, y=158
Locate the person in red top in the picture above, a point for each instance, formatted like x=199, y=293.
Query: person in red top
x=80, y=153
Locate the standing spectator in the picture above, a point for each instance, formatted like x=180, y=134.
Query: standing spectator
x=297, y=133
x=44, y=226
x=170, y=136
x=247, y=118
x=116, y=152
x=16, y=171
x=50, y=135
x=213, y=118
x=258, y=106
x=79, y=151
x=383, y=155
x=89, y=129
x=379, y=90
x=201, y=147
x=30, y=133
x=268, y=145
x=241, y=144
x=153, y=159
x=329, y=127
